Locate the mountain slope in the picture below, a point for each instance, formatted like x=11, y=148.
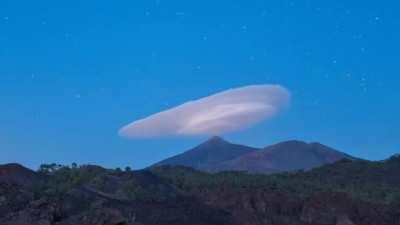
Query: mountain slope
x=343, y=193
x=282, y=157
x=15, y=173
x=208, y=154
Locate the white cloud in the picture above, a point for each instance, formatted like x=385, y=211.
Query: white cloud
x=227, y=111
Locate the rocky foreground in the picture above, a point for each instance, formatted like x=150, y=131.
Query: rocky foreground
x=344, y=193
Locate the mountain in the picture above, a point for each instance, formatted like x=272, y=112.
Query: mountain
x=283, y=157
x=208, y=154
x=216, y=155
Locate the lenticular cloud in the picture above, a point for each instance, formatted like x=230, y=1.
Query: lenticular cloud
x=220, y=113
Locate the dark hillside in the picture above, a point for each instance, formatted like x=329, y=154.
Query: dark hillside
x=346, y=192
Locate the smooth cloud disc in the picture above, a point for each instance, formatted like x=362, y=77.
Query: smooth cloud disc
x=220, y=113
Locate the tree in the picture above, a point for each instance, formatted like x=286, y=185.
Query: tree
x=49, y=168
x=128, y=169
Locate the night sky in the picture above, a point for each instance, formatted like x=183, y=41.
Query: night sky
x=72, y=73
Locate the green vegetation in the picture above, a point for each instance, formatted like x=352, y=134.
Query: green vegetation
x=366, y=180
x=366, y=192
x=116, y=184
x=64, y=178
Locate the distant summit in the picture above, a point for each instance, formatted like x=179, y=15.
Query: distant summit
x=208, y=154
x=217, y=154
x=215, y=140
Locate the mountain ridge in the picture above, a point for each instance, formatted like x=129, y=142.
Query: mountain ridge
x=208, y=153
x=285, y=157
x=217, y=154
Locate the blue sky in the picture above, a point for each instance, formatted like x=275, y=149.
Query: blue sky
x=73, y=72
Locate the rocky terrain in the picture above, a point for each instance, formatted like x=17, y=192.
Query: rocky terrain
x=347, y=192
